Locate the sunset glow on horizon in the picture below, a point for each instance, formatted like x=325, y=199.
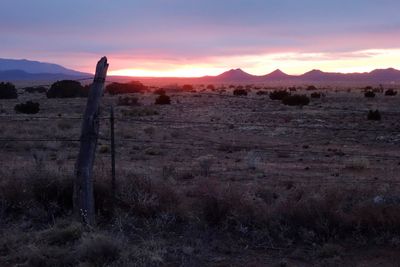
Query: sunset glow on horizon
x=290, y=63
x=199, y=38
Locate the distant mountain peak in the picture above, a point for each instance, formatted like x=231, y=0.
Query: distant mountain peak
x=235, y=75
x=278, y=71
x=36, y=67
x=277, y=74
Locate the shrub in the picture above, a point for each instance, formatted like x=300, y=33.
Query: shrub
x=163, y=100
x=292, y=89
x=369, y=94
x=390, y=92
x=148, y=198
x=211, y=87
x=128, y=101
x=65, y=89
x=8, y=91
x=63, y=234
x=39, y=89
x=239, y=92
x=187, y=87
x=262, y=93
x=278, y=95
x=125, y=88
x=296, y=100
x=374, y=115
x=99, y=250
x=27, y=108
x=159, y=92
x=316, y=95
x=311, y=88
x=86, y=90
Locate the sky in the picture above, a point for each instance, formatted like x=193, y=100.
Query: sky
x=190, y=38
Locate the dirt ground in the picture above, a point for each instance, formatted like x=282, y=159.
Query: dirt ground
x=244, y=141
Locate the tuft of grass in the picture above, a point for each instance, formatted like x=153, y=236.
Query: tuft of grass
x=374, y=115
x=99, y=250
x=296, y=100
x=63, y=234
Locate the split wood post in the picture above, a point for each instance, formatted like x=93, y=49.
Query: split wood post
x=83, y=198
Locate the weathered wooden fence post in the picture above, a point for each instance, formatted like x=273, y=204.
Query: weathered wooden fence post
x=83, y=198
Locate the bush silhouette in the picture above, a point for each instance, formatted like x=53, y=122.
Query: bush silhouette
x=66, y=89
x=239, y=92
x=39, y=89
x=159, y=92
x=374, y=115
x=125, y=88
x=163, y=100
x=390, y=92
x=278, y=95
x=316, y=95
x=27, y=108
x=211, y=87
x=369, y=94
x=296, y=100
x=187, y=87
x=262, y=93
x=128, y=101
x=8, y=91
x=311, y=88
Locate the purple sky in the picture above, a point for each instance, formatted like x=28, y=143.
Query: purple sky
x=193, y=37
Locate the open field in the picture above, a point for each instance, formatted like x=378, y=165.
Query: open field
x=211, y=179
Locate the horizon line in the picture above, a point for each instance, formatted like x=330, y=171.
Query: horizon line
x=245, y=72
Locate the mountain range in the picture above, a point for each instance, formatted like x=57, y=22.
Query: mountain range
x=24, y=70
x=376, y=76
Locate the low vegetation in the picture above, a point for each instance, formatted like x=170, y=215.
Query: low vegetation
x=390, y=92
x=369, y=94
x=66, y=89
x=28, y=108
x=128, y=101
x=125, y=88
x=315, y=95
x=278, y=94
x=374, y=115
x=38, y=89
x=159, y=91
x=296, y=100
x=188, y=88
x=151, y=213
x=240, y=92
x=163, y=100
x=8, y=91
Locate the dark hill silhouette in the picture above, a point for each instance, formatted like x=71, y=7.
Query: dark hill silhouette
x=376, y=76
x=35, y=67
x=233, y=75
x=277, y=75
x=19, y=75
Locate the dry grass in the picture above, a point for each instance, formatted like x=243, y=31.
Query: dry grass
x=227, y=204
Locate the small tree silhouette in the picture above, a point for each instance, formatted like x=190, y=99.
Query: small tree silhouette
x=66, y=89
x=8, y=91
